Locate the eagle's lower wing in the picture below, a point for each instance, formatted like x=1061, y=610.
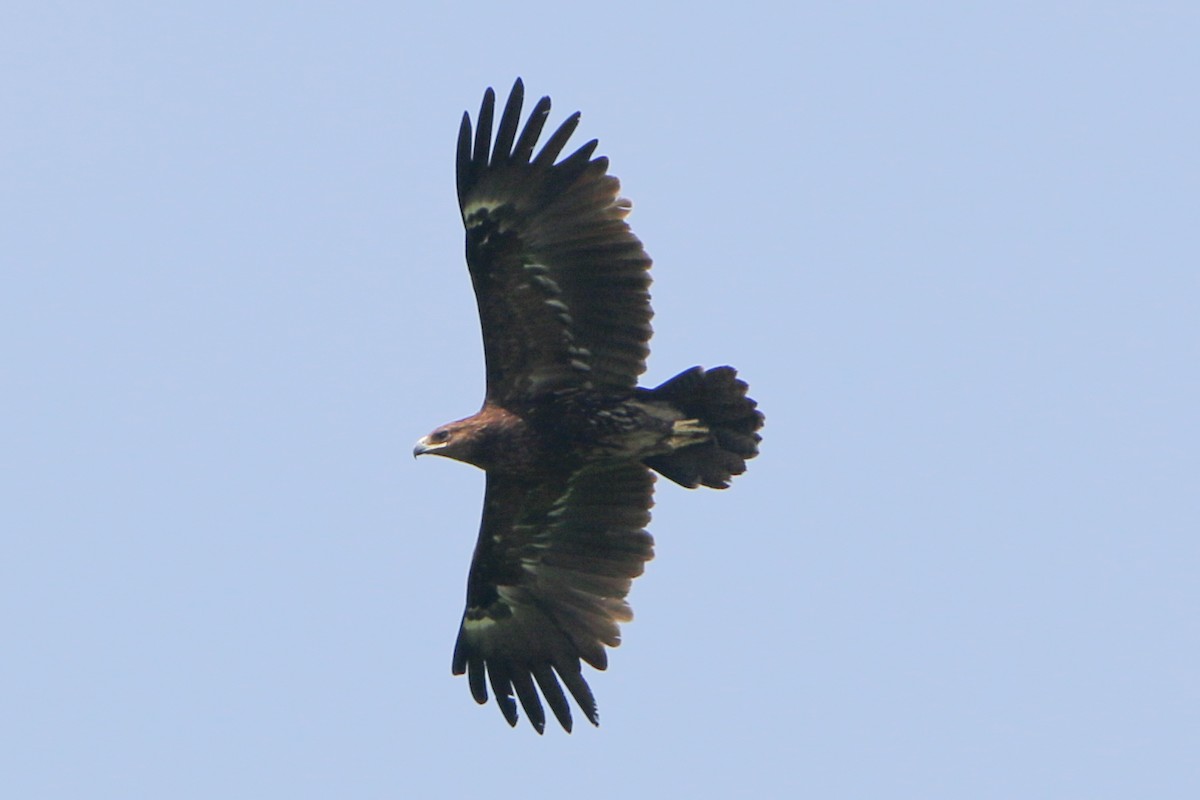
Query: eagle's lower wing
x=547, y=587
x=561, y=282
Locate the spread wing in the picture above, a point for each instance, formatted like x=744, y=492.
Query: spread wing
x=561, y=282
x=547, y=586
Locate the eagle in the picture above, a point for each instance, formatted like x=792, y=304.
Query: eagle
x=568, y=440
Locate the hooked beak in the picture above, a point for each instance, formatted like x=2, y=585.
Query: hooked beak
x=424, y=446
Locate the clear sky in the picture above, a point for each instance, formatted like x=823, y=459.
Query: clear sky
x=952, y=246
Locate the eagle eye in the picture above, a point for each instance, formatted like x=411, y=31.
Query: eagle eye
x=440, y=436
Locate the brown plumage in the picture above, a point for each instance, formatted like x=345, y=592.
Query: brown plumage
x=567, y=438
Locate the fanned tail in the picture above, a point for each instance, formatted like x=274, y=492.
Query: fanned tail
x=717, y=413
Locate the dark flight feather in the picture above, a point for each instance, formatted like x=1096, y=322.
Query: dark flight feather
x=548, y=582
x=551, y=259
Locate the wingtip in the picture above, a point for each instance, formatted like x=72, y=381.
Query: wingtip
x=508, y=707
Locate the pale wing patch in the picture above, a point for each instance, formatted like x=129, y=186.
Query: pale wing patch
x=476, y=212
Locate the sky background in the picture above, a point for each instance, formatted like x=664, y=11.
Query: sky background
x=953, y=248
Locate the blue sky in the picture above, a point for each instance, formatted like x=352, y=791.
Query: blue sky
x=953, y=248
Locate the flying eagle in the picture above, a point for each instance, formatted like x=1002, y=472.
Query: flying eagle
x=566, y=436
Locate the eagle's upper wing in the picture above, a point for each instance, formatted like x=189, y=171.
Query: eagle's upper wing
x=562, y=283
x=547, y=587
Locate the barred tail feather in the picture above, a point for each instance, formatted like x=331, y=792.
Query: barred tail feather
x=718, y=401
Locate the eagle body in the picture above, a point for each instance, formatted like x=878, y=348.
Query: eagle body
x=561, y=433
x=569, y=441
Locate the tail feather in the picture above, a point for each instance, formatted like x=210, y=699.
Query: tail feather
x=717, y=399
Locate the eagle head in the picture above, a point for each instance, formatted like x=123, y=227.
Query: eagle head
x=484, y=440
x=462, y=440
x=446, y=440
